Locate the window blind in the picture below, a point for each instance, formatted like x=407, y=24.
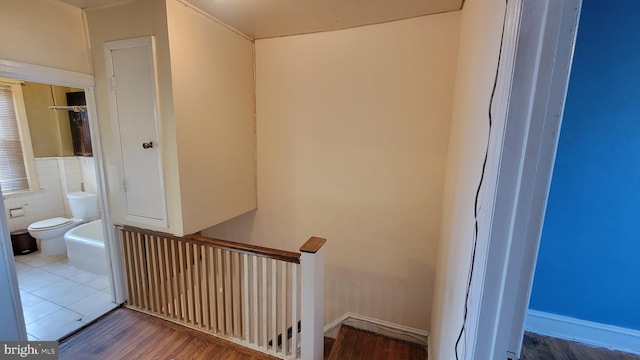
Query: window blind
x=13, y=175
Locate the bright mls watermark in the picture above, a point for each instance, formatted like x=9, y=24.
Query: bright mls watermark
x=42, y=350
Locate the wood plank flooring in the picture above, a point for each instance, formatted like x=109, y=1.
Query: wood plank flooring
x=538, y=347
x=353, y=344
x=128, y=334
x=328, y=346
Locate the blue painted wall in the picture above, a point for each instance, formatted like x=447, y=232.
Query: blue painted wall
x=589, y=260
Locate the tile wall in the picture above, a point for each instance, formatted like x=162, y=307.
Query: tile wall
x=57, y=177
x=88, y=169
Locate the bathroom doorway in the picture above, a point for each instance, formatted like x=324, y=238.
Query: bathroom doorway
x=60, y=295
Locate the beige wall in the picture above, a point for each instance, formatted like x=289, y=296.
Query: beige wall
x=49, y=129
x=207, y=117
x=214, y=110
x=43, y=32
x=481, y=25
x=352, y=140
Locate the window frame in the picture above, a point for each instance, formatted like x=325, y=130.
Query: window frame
x=25, y=136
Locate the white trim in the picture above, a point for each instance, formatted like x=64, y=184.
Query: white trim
x=582, y=331
x=112, y=243
x=143, y=41
x=549, y=94
x=41, y=74
x=490, y=342
x=546, y=35
x=489, y=190
x=395, y=331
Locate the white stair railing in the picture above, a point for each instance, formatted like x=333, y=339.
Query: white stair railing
x=251, y=295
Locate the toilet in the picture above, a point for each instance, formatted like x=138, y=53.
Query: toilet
x=50, y=232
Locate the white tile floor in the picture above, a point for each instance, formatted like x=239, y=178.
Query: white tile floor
x=58, y=298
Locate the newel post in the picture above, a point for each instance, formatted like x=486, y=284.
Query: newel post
x=312, y=306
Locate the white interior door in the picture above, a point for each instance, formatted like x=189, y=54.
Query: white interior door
x=13, y=327
x=134, y=104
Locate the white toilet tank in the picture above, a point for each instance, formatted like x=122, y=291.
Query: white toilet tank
x=83, y=205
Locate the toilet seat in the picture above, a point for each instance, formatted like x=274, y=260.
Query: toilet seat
x=50, y=223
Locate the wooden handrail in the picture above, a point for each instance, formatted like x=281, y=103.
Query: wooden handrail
x=283, y=255
x=312, y=245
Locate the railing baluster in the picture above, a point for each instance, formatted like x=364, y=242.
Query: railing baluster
x=169, y=279
x=245, y=298
x=189, y=270
x=210, y=275
x=134, y=276
x=254, y=282
x=162, y=283
x=265, y=344
x=134, y=269
x=235, y=295
x=162, y=276
x=141, y=273
x=228, y=305
x=213, y=293
x=183, y=281
x=153, y=277
x=219, y=291
x=197, y=293
x=274, y=306
x=127, y=244
x=294, y=310
x=229, y=289
x=204, y=291
x=175, y=283
x=205, y=288
x=283, y=310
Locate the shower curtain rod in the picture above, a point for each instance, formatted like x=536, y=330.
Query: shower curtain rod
x=75, y=108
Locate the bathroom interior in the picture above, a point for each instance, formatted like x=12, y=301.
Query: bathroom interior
x=55, y=224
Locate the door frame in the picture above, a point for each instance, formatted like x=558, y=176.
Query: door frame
x=546, y=37
x=46, y=75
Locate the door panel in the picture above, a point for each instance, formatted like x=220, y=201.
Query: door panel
x=135, y=97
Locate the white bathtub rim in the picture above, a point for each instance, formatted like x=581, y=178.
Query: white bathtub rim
x=85, y=253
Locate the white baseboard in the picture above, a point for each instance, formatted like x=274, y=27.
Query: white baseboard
x=381, y=327
x=586, y=332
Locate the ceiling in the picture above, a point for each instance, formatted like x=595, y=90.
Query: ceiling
x=260, y=19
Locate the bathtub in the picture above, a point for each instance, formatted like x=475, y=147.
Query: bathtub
x=85, y=248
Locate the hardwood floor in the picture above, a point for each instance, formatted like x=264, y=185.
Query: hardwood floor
x=353, y=344
x=538, y=347
x=128, y=334
x=328, y=345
